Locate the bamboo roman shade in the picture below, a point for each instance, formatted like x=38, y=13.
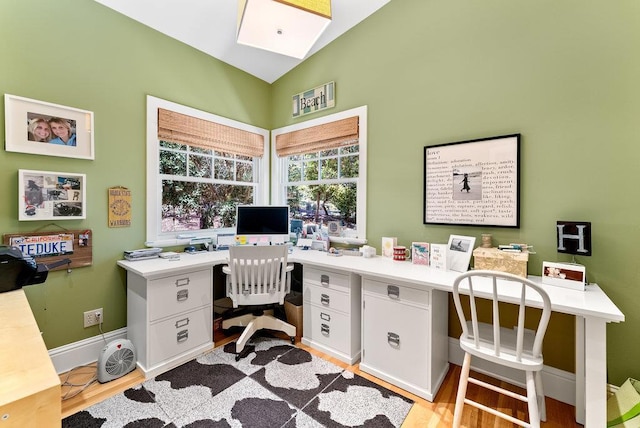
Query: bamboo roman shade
x=322, y=137
x=181, y=128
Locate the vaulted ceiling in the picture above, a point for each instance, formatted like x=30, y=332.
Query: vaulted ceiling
x=210, y=26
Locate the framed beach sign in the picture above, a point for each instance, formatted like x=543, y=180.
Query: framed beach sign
x=473, y=183
x=42, y=128
x=47, y=195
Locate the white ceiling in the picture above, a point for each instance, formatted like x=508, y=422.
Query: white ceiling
x=210, y=26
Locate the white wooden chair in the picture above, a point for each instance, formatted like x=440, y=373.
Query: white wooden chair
x=511, y=347
x=257, y=276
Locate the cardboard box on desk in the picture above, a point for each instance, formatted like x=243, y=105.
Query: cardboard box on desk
x=502, y=261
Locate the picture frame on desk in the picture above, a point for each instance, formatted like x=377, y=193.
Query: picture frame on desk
x=420, y=253
x=473, y=182
x=438, y=256
x=459, y=250
x=567, y=275
x=388, y=243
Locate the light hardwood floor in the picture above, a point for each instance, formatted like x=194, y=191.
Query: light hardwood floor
x=422, y=414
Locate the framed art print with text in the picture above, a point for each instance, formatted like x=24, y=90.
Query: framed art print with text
x=42, y=128
x=473, y=183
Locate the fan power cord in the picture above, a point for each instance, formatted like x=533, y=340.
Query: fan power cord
x=83, y=386
x=102, y=332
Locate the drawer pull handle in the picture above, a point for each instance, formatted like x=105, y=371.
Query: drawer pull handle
x=182, y=335
x=324, y=329
x=325, y=317
x=324, y=280
x=393, y=339
x=182, y=282
x=182, y=323
x=324, y=299
x=393, y=291
x=182, y=295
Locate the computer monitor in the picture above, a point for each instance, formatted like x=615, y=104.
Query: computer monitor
x=262, y=224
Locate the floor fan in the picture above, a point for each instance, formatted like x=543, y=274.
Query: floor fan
x=116, y=359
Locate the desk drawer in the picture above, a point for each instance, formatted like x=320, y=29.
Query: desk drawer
x=326, y=326
x=326, y=298
x=396, y=293
x=179, y=293
x=396, y=338
x=327, y=279
x=179, y=334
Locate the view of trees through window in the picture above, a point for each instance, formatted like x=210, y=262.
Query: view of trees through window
x=322, y=186
x=201, y=187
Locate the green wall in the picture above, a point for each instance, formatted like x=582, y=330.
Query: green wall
x=563, y=74
x=80, y=54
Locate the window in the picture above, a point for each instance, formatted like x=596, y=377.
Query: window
x=319, y=170
x=199, y=167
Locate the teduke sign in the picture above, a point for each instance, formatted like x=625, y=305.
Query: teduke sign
x=316, y=99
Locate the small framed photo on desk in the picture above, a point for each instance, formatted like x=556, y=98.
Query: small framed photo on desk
x=459, y=250
x=565, y=275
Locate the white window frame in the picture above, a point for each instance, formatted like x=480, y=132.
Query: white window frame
x=157, y=238
x=279, y=170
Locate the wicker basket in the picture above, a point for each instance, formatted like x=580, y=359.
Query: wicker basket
x=503, y=261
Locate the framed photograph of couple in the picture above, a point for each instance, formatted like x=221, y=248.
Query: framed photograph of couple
x=42, y=128
x=473, y=183
x=48, y=195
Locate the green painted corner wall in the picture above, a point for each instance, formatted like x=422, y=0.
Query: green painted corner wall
x=81, y=54
x=563, y=74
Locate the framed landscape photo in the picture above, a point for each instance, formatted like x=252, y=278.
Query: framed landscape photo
x=42, y=128
x=473, y=183
x=47, y=195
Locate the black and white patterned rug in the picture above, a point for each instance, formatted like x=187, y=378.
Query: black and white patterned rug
x=277, y=385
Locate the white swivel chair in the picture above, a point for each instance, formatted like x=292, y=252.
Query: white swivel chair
x=257, y=276
x=511, y=347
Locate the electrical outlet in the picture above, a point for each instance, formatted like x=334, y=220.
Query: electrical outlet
x=93, y=317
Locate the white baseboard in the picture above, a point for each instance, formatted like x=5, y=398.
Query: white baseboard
x=558, y=384
x=83, y=352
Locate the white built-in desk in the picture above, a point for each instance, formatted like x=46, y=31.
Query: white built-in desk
x=592, y=308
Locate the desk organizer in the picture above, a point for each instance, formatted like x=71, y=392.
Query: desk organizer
x=495, y=259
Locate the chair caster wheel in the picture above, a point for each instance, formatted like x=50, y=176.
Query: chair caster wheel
x=238, y=357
